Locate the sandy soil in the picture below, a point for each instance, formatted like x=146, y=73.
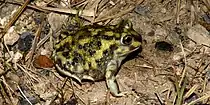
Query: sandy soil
x=171, y=69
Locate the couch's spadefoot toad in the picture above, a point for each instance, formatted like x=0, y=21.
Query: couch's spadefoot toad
x=95, y=52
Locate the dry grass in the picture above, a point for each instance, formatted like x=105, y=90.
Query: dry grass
x=178, y=77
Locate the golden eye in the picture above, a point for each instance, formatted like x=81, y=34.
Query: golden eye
x=126, y=40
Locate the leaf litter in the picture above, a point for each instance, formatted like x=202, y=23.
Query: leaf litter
x=170, y=77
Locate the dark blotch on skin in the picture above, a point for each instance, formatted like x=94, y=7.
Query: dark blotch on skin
x=97, y=37
x=118, y=30
x=83, y=62
x=66, y=45
x=65, y=54
x=98, y=43
x=98, y=62
x=105, y=52
x=60, y=37
x=91, y=52
x=104, y=37
x=73, y=42
x=68, y=63
x=79, y=46
x=86, y=46
x=92, y=44
x=113, y=47
x=75, y=60
x=81, y=37
x=58, y=61
x=117, y=38
x=64, y=32
x=89, y=64
x=80, y=58
x=76, y=53
x=107, y=37
x=60, y=49
x=73, y=63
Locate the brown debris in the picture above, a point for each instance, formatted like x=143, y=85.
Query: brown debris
x=179, y=76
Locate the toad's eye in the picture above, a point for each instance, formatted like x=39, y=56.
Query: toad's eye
x=126, y=40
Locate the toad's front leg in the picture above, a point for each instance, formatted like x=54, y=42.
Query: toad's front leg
x=111, y=80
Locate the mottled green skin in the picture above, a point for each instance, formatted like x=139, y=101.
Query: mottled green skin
x=95, y=52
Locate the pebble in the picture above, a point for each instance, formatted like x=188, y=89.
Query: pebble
x=11, y=36
x=199, y=34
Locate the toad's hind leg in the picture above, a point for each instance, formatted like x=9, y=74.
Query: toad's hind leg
x=111, y=80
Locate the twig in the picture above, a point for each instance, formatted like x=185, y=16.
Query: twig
x=159, y=99
x=199, y=99
x=115, y=16
x=191, y=91
x=119, y=14
x=70, y=11
x=15, y=17
x=185, y=61
x=3, y=92
x=27, y=72
x=9, y=90
x=24, y=95
x=61, y=10
x=34, y=45
x=74, y=92
x=56, y=96
x=207, y=3
x=30, y=6
x=178, y=3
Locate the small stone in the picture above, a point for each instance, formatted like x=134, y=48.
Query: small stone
x=25, y=41
x=199, y=34
x=11, y=36
x=17, y=57
x=45, y=51
x=3, y=21
x=179, y=56
x=141, y=10
x=9, y=55
x=56, y=20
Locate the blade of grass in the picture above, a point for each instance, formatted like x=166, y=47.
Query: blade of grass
x=199, y=99
x=15, y=17
x=180, y=91
x=192, y=90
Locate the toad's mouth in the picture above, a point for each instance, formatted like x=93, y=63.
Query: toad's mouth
x=130, y=51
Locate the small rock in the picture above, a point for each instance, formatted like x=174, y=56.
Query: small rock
x=199, y=34
x=72, y=101
x=3, y=21
x=17, y=57
x=9, y=55
x=179, y=56
x=25, y=41
x=12, y=80
x=141, y=10
x=11, y=36
x=56, y=20
x=206, y=18
x=44, y=51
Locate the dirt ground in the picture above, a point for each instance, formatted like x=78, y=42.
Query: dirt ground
x=172, y=68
